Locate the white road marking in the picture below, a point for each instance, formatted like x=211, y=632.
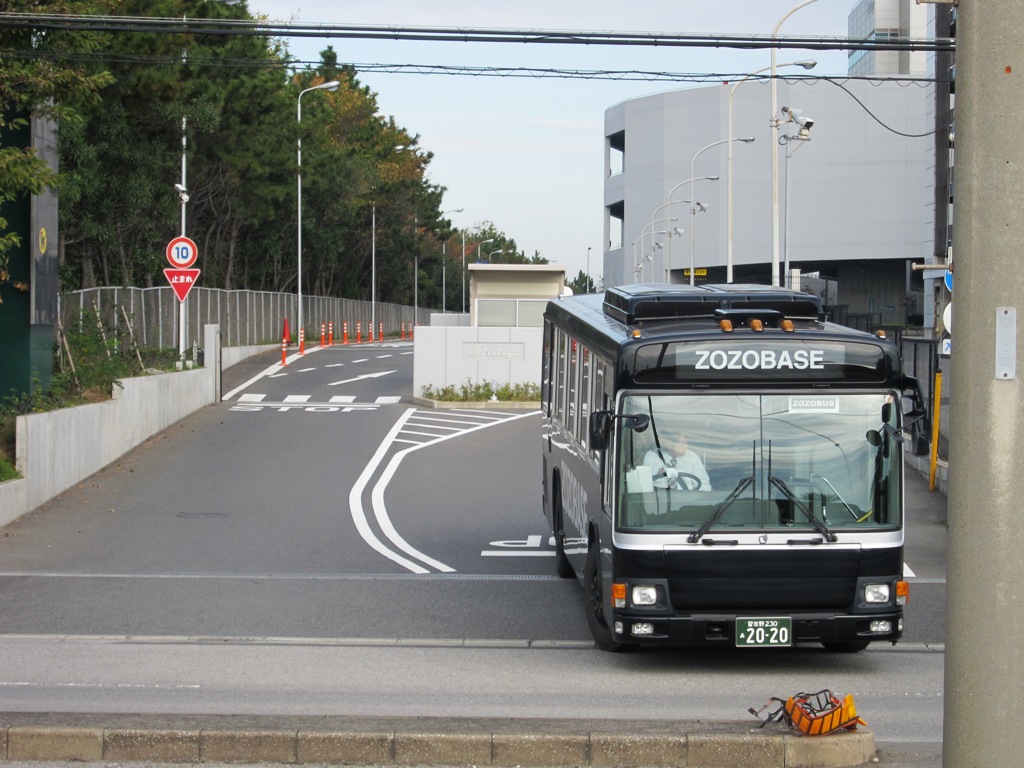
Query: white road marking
x=377, y=494
x=360, y=378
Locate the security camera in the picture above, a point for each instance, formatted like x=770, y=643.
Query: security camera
x=181, y=187
x=182, y=193
x=797, y=116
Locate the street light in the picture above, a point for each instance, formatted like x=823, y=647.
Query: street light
x=492, y=253
x=488, y=240
x=808, y=64
x=802, y=136
x=668, y=214
x=463, y=306
x=328, y=86
x=444, y=259
x=638, y=263
x=775, y=147
x=693, y=204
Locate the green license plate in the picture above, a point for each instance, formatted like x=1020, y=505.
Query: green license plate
x=764, y=632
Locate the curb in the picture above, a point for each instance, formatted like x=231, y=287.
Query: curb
x=422, y=741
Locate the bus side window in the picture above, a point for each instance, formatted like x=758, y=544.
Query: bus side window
x=584, y=414
x=558, y=376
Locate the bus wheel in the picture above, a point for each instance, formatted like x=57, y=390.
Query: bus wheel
x=595, y=604
x=562, y=565
x=846, y=647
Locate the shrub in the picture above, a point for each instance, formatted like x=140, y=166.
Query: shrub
x=481, y=391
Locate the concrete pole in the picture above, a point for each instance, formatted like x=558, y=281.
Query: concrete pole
x=984, y=663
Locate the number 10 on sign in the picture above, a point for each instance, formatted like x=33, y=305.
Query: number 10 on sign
x=182, y=252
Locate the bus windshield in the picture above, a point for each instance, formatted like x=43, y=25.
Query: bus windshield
x=820, y=463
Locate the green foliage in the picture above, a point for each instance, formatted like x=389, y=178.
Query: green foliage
x=125, y=102
x=36, y=76
x=99, y=359
x=482, y=391
x=582, y=283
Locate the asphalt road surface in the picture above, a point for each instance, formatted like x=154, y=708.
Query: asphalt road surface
x=318, y=543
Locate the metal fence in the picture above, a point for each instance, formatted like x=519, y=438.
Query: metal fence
x=245, y=318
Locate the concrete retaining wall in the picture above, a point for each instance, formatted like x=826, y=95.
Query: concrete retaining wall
x=57, y=449
x=446, y=356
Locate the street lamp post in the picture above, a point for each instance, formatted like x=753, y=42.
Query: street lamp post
x=693, y=203
x=668, y=215
x=808, y=64
x=463, y=307
x=328, y=86
x=775, y=147
x=444, y=265
x=638, y=264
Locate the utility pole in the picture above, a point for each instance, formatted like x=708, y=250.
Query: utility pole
x=984, y=662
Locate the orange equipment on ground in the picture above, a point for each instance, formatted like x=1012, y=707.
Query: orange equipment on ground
x=813, y=714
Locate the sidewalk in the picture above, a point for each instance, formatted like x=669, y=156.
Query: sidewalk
x=422, y=741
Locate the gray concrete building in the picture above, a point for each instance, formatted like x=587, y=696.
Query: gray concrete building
x=855, y=200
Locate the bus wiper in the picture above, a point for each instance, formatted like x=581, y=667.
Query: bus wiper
x=694, y=537
x=819, y=526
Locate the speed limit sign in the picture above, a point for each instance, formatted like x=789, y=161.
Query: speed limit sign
x=181, y=252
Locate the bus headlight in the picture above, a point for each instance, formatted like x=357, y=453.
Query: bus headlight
x=876, y=593
x=645, y=594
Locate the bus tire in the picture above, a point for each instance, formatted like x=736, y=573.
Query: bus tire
x=562, y=565
x=853, y=647
x=599, y=628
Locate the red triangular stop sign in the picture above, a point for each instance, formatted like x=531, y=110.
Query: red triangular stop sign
x=181, y=281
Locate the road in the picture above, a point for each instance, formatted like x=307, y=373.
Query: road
x=318, y=543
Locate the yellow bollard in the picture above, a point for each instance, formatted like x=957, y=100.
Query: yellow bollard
x=935, y=430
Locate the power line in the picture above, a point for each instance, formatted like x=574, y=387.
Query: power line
x=457, y=34
x=449, y=69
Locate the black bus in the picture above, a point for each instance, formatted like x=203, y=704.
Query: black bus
x=722, y=466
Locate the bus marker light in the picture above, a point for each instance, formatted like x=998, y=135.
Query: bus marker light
x=618, y=627
x=619, y=595
x=787, y=325
x=725, y=325
x=636, y=333
x=643, y=628
x=902, y=592
x=880, y=333
x=756, y=324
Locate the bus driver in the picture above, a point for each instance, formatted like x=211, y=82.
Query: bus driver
x=674, y=465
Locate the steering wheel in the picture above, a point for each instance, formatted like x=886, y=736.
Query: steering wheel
x=688, y=476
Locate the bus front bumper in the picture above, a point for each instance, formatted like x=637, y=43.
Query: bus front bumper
x=722, y=629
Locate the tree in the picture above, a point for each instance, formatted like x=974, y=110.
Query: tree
x=582, y=283
x=38, y=76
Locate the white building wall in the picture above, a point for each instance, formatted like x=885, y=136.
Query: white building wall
x=858, y=191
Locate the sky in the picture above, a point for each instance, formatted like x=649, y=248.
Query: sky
x=527, y=154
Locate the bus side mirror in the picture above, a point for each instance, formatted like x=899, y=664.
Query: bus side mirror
x=916, y=420
x=601, y=424
x=920, y=437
